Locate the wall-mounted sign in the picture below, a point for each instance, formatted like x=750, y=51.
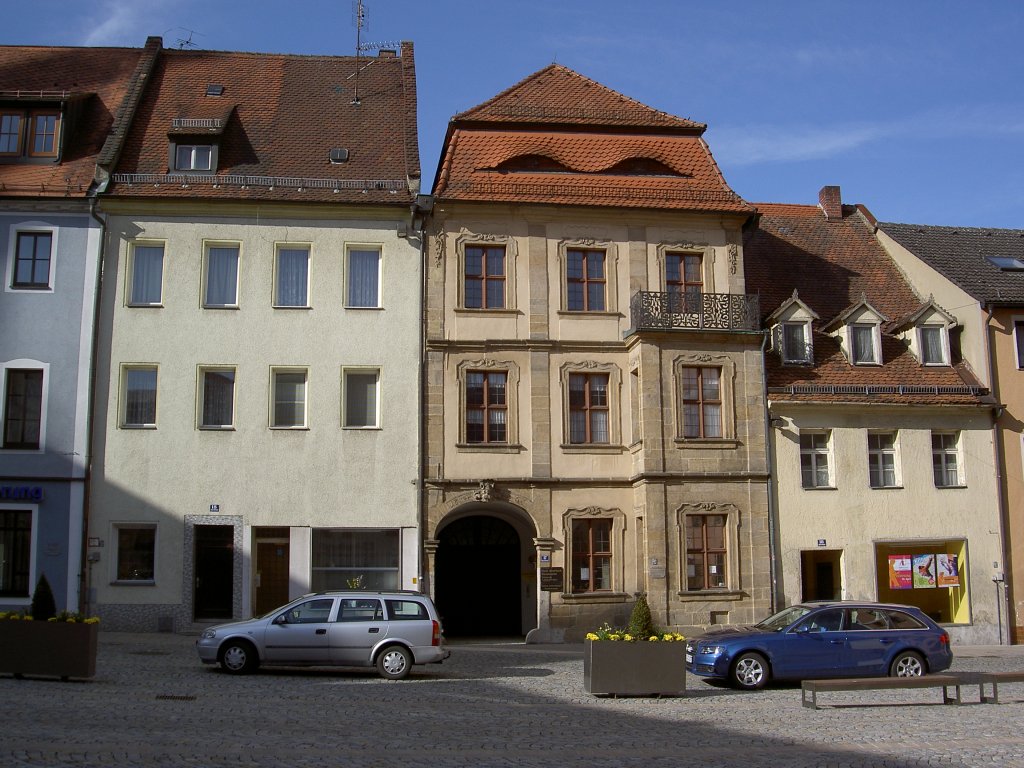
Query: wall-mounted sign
x=545, y=557
x=214, y=508
x=822, y=543
x=21, y=493
x=552, y=579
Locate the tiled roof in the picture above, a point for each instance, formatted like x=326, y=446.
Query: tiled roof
x=557, y=95
x=99, y=77
x=958, y=253
x=281, y=116
x=834, y=265
x=595, y=147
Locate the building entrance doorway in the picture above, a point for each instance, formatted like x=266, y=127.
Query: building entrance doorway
x=214, y=587
x=270, y=580
x=478, y=581
x=821, y=574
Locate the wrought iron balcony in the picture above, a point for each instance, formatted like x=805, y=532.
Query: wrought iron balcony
x=654, y=310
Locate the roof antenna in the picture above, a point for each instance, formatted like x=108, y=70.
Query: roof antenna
x=359, y=19
x=186, y=42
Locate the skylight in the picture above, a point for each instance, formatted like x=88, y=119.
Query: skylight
x=1007, y=263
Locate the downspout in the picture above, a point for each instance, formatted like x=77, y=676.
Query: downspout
x=424, y=583
x=772, y=565
x=1002, y=597
x=84, y=582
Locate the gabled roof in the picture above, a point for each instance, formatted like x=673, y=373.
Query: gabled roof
x=276, y=121
x=857, y=307
x=836, y=265
x=560, y=138
x=793, y=300
x=960, y=254
x=909, y=321
x=94, y=84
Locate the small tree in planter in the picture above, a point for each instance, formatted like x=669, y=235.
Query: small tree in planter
x=44, y=607
x=641, y=625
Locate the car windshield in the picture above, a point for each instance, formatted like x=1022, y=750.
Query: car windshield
x=783, y=618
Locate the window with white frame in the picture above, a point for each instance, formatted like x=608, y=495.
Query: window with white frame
x=146, y=274
x=217, y=398
x=135, y=557
x=15, y=553
x=363, y=278
x=864, y=344
x=882, y=459
x=288, y=398
x=23, y=409
x=814, y=460
x=138, y=400
x=220, y=283
x=291, y=276
x=796, y=343
x=33, y=253
x=932, y=340
x=361, y=388
x=946, y=460
x=193, y=157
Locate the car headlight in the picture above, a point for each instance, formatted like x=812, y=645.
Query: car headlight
x=713, y=650
x=209, y=634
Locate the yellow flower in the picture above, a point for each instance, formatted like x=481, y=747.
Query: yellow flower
x=614, y=637
x=628, y=638
x=592, y=636
x=653, y=638
x=93, y=620
x=678, y=637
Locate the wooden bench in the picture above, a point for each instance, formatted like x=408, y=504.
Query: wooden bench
x=945, y=682
x=994, y=679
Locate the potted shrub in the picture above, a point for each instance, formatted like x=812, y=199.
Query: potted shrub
x=638, y=660
x=52, y=644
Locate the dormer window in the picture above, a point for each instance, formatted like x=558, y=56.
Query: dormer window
x=791, y=331
x=796, y=347
x=193, y=157
x=926, y=332
x=933, y=345
x=863, y=344
x=34, y=134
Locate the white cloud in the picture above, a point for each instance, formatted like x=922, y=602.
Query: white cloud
x=125, y=22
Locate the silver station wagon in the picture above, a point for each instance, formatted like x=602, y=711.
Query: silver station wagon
x=389, y=630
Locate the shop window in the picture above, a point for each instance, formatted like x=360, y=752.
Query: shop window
x=931, y=575
x=16, y=551
x=135, y=559
x=355, y=559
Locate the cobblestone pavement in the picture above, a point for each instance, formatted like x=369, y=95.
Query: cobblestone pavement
x=153, y=704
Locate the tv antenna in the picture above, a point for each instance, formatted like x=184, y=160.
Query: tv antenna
x=359, y=19
x=186, y=42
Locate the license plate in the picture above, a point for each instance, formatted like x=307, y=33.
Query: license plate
x=689, y=658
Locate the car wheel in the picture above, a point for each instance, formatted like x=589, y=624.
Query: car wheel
x=750, y=671
x=238, y=657
x=394, y=662
x=907, y=664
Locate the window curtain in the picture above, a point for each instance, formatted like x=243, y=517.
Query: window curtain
x=863, y=344
x=222, y=277
x=363, y=278
x=290, y=400
x=292, y=277
x=218, y=398
x=932, y=341
x=147, y=274
x=140, y=402
x=361, y=400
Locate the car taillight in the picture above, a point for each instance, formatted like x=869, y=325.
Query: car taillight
x=435, y=638
x=944, y=638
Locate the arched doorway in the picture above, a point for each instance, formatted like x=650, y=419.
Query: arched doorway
x=478, y=583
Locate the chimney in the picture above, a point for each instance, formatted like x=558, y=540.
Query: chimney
x=831, y=202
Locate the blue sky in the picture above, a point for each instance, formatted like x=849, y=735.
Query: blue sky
x=913, y=107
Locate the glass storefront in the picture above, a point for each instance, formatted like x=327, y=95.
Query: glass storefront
x=931, y=575
x=355, y=559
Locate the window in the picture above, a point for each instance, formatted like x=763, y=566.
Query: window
x=1018, y=332
x=585, y=280
x=136, y=552
x=43, y=142
x=862, y=344
x=684, y=281
x=218, y=398
x=288, y=398
x=814, y=450
x=23, y=409
x=946, y=459
x=42, y=129
x=486, y=407
x=882, y=459
x=360, y=609
x=591, y=555
x=361, y=398
x=588, y=408
x=146, y=265
x=221, y=289
x=139, y=406
x=933, y=347
x=32, y=260
x=193, y=157
x=10, y=133
x=363, y=278
x=314, y=612
x=291, y=277
x=16, y=551
x=484, y=279
x=355, y=559
x=705, y=552
x=702, y=402
x=796, y=347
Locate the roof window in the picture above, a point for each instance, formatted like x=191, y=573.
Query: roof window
x=1007, y=263
x=214, y=89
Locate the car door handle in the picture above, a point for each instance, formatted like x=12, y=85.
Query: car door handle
x=837, y=642
x=321, y=631
x=373, y=630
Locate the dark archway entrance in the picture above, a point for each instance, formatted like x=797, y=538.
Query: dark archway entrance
x=478, y=580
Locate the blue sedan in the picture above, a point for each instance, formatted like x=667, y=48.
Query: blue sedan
x=823, y=639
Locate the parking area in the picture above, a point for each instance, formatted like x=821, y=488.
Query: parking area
x=153, y=704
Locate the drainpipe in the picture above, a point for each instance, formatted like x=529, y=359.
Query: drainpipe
x=420, y=210
x=772, y=565
x=84, y=580
x=1002, y=595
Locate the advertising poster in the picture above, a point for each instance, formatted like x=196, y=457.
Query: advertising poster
x=924, y=571
x=899, y=572
x=948, y=570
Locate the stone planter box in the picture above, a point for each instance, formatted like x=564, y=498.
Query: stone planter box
x=634, y=669
x=48, y=648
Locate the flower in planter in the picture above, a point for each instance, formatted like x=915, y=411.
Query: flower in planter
x=640, y=628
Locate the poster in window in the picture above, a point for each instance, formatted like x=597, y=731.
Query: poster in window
x=924, y=571
x=900, y=576
x=948, y=570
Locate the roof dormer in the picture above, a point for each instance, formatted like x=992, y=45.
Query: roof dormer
x=194, y=141
x=926, y=332
x=791, y=325
x=859, y=330
x=33, y=125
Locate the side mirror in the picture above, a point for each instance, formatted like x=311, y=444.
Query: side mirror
x=282, y=619
x=803, y=629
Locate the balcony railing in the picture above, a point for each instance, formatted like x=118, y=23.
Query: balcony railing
x=654, y=310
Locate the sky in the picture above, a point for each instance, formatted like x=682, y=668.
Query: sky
x=913, y=107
